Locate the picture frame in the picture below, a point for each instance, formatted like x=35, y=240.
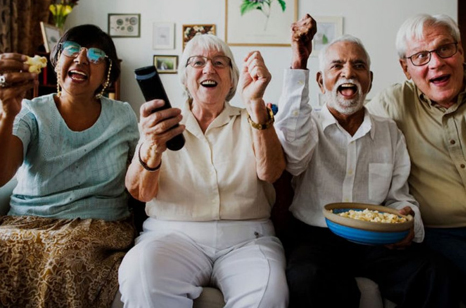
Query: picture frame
x=163, y=35
x=259, y=23
x=51, y=36
x=328, y=28
x=189, y=31
x=124, y=25
x=166, y=64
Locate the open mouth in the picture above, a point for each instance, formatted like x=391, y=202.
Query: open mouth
x=441, y=79
x=77, y=75
x=348, y=90
x=209, y=83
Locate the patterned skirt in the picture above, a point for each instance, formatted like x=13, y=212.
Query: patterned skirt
x=61, y=262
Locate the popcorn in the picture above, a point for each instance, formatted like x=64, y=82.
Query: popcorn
x=36, y=63
x=374, y=216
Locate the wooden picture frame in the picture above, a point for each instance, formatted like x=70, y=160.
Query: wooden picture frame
x=328, y=28
x=163, y=35
x=166, y=64
x=259, y=23
x=189, y=31
x=51, y=36
x=124, y=25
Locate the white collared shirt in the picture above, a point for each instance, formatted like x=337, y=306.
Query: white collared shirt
x=329, y=165
x=213, y=177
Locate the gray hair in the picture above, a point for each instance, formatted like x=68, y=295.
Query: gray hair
x=413, y=28
x=343, y=38
x=208, y=42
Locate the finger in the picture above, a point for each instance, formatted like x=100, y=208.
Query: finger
x=150, y=107
x=13, y=78
x=13, y=62
x=169, y=123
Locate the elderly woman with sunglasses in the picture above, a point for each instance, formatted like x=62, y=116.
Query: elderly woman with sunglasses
x=208, y=203
x=68, y=227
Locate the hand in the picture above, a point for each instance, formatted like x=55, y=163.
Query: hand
x=407, y=241
x=302, y=33
x=156, y=127
x=254, y=78
x=17, y=81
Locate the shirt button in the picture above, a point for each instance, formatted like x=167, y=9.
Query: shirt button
x=296, y=113
x=350, y=171
x=462, y=166
x=300, y=82
x=452, y=141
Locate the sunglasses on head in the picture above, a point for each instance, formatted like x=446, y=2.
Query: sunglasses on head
x=72, y=49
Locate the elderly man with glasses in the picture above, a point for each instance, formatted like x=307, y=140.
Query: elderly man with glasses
x=430, y=109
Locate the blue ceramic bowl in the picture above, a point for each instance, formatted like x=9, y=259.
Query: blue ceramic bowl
x=365, y=232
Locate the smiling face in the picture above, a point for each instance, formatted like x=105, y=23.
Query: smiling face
x=208, y=85
x=78, y=76
x=440, y=79
x=346, y=78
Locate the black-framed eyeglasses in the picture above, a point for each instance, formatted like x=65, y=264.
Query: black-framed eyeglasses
x=201, y=61
x=72, y=49
x=444, y=52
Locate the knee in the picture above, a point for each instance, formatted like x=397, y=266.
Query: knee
x=303, y=276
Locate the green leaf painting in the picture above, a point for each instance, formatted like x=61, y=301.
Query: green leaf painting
x=265, y=6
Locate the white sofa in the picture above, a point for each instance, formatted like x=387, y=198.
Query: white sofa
x=213, y=298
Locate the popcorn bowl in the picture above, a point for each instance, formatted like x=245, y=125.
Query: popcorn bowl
x=366, y=232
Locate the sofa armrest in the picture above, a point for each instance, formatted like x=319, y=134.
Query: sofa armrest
x=5, y=193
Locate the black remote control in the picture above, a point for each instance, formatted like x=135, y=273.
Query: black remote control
x=152, y=88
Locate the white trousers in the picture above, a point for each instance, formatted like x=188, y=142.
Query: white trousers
x=173, y=260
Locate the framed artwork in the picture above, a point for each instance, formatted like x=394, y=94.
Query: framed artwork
x=328, y=28
x=124, y=25
x=189, y=31
x=163, y=35
x=166, y=64
x=51, y=36
x=259, y=23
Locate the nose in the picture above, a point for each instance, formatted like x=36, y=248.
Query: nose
x=435, y=60
x=81, y=57
x=347, y=71
x=209, y=67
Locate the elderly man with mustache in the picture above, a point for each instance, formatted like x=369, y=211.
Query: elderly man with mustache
x=344, y=154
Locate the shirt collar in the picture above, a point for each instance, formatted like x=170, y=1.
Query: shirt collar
x=366, y=125
x=223, y=118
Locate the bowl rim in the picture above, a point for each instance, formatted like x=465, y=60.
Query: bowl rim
x=366, y=225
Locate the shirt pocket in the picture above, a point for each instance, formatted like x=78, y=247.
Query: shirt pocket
x=380, y=178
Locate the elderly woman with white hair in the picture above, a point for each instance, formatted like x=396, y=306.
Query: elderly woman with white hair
x=209, y=203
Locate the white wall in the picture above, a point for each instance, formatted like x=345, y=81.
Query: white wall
x=375, y=22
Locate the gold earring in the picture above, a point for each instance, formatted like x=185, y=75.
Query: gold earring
x=107, y=82
x=57, y=69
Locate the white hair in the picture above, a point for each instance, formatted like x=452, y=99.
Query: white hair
x=413, y=28
x=208, y=42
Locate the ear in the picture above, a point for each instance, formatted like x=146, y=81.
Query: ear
x=320, y=82
x=370, y=84
x=404, y=66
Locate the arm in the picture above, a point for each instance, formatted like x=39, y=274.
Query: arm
x=156, y=130
x=399, y=197
x=295, y=127
x=11, y=95
x=255, y=77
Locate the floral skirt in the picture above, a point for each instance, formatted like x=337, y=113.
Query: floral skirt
x=61, y=262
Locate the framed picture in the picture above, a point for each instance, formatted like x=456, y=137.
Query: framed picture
x=124, y=25
x=328, y=28
x=189, y=31
x=166, y=64
x=163, y=35
x=259, y=23
x=51, y=36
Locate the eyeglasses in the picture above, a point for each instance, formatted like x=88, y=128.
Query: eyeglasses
x=217, y=61
x=72, y=50
x=444, y=52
